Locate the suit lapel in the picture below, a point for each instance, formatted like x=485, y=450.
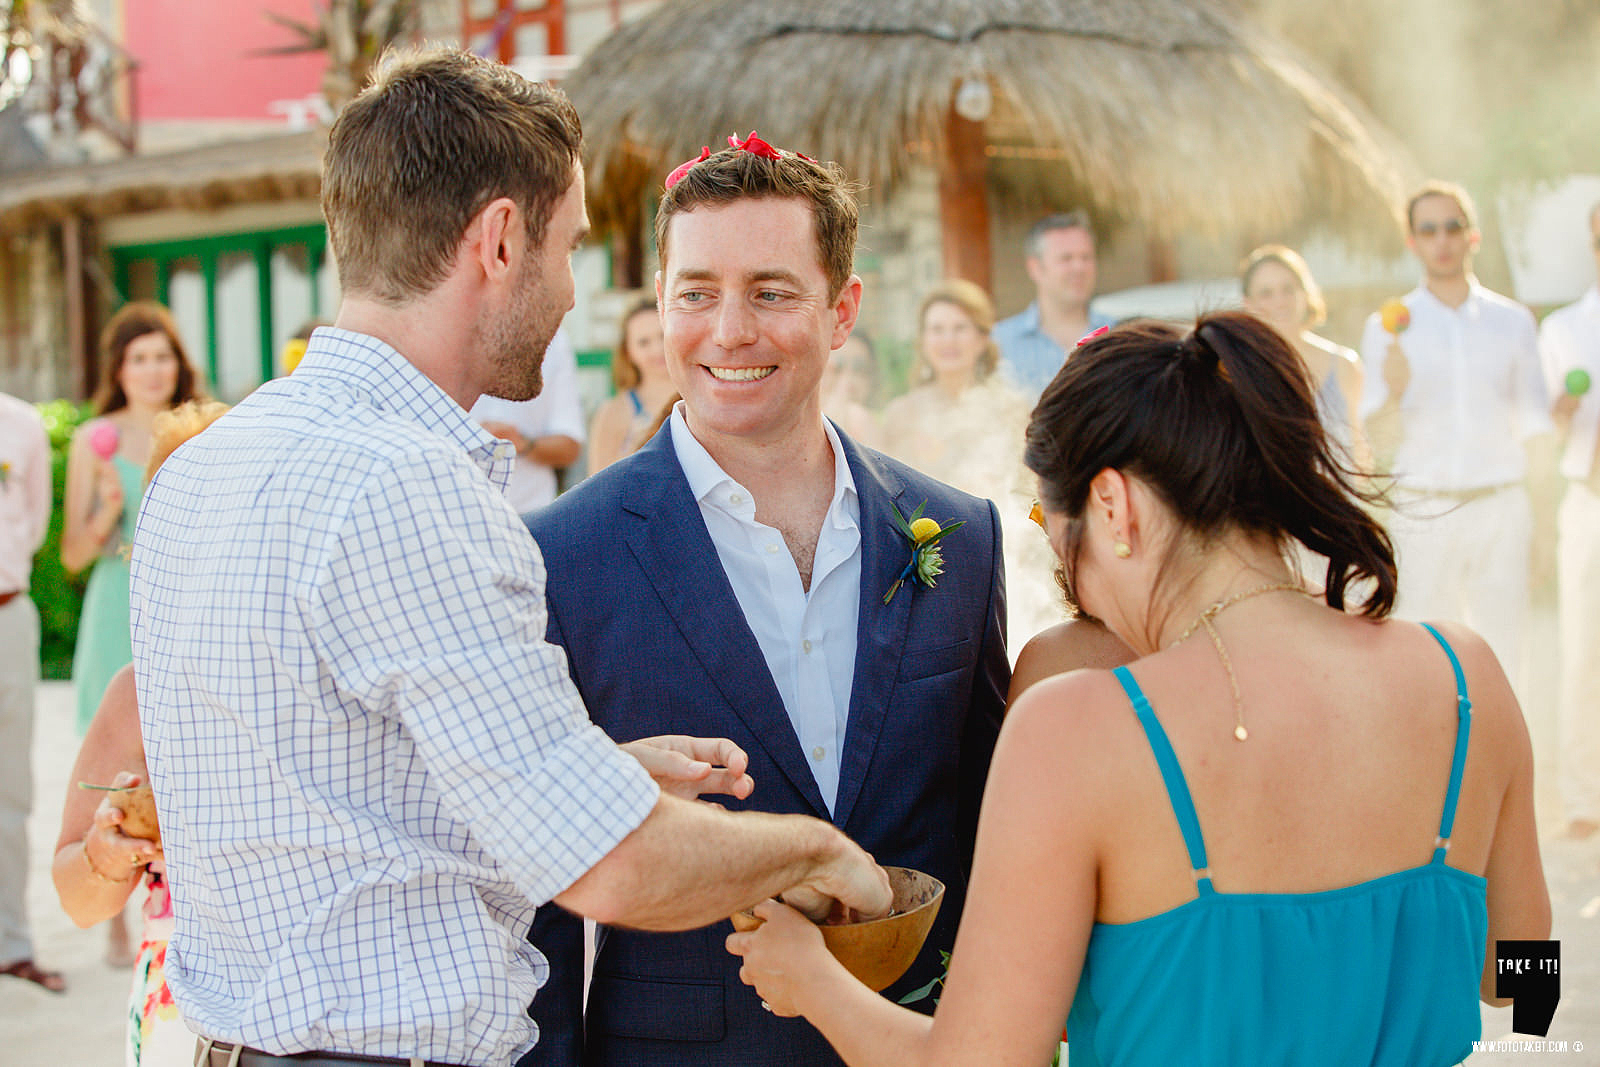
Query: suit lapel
x=676, y=555
x=880, y=627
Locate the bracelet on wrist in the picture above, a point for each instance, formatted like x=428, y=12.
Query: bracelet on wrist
x=104, y=878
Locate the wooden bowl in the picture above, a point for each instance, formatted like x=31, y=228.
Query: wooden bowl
x=879, y=951
x=138, y=812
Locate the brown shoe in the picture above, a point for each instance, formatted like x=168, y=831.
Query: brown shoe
x=32, y=972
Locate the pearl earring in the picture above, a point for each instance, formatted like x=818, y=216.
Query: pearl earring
x=1122, y=549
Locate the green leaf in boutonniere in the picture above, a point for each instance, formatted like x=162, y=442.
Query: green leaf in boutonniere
x=923, y=536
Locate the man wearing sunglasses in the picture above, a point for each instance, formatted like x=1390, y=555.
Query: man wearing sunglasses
x=1569, y=340
x=1455, y=388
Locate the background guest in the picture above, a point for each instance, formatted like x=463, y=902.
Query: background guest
x=1569, y=341
x=962, y=423
x=146, y=372
x=644, y=392
x=1061, y=262
x=24, y=515
x=1459, y=390
x=1278, y=288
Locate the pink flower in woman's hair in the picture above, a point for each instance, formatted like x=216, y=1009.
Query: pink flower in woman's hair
x=103, y=439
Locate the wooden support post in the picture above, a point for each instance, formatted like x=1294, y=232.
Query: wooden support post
x=964, y=202
x=79, y=353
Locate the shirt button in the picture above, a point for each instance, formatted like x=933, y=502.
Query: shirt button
x=818, y=752
x=772, y=550
x=736, y=499
x=805, y=646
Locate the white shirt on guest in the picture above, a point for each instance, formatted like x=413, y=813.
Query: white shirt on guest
x=1476, y=394
x=556, y=411
x=24, y=490
x=807, y=639
x=1569, y=340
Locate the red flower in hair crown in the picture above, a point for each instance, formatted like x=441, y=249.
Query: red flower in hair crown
x=752, y=144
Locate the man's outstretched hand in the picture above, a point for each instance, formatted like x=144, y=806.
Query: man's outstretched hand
x=692, y=767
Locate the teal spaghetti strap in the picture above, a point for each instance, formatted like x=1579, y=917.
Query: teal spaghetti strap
x=1172, y=775
x=1459, y=763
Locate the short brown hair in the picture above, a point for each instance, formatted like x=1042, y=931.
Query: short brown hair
x=1450, y=190
x=733, y=174
x=973, y=302
x=438, y=135
x=131, y=322
x=1033, y=245
x=1294, y=263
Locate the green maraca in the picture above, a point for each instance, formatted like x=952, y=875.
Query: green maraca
x=1578, y=381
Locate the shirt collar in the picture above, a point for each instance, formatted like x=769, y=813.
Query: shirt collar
x=390, y=382
x=705, y=475
x=1475, y=297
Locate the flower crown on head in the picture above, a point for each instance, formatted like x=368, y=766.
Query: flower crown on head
x=752, y=144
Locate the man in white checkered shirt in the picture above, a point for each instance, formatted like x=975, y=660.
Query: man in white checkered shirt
x=370, y=767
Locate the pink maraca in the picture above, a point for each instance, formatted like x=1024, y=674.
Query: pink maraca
x=103, y=439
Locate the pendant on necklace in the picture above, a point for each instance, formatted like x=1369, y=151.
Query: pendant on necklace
x=1240, y=733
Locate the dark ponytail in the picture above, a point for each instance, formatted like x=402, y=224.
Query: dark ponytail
x=1221, y=423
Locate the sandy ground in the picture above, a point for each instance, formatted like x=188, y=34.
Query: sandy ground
x=84, y=1026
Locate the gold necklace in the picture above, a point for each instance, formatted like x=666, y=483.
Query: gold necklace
x=1204, y=619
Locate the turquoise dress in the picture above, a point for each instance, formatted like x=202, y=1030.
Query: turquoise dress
x=104, y=645
x=1384, y=972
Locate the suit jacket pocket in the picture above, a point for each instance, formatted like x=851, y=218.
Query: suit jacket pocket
x=675, y=1009
x=927, y=662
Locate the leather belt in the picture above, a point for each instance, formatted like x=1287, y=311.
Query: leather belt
x=6, y=598
x=209, y=1053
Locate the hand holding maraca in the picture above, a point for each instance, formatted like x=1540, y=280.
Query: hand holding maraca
x=1396, y=368
x=104, y=439
x=1573, y=387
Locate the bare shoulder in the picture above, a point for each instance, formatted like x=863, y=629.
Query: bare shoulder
x=1077, y=716
x=1495, y=710
x=1063, y=751
x=1065, y=647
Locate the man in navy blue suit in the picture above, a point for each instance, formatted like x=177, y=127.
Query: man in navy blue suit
x=733, y=578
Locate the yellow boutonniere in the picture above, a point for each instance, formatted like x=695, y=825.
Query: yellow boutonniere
x=927, y=560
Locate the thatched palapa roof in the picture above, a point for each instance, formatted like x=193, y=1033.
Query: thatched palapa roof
x=280, y=166
x=1174, y=112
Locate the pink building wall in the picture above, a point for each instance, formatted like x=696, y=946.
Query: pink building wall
x=195, y=58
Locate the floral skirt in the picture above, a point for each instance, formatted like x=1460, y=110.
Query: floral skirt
x=157, y=1036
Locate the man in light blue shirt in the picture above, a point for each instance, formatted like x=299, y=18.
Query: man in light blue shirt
x=1061, y=261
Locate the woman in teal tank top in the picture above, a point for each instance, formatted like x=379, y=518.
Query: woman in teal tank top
x=1288, y=833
